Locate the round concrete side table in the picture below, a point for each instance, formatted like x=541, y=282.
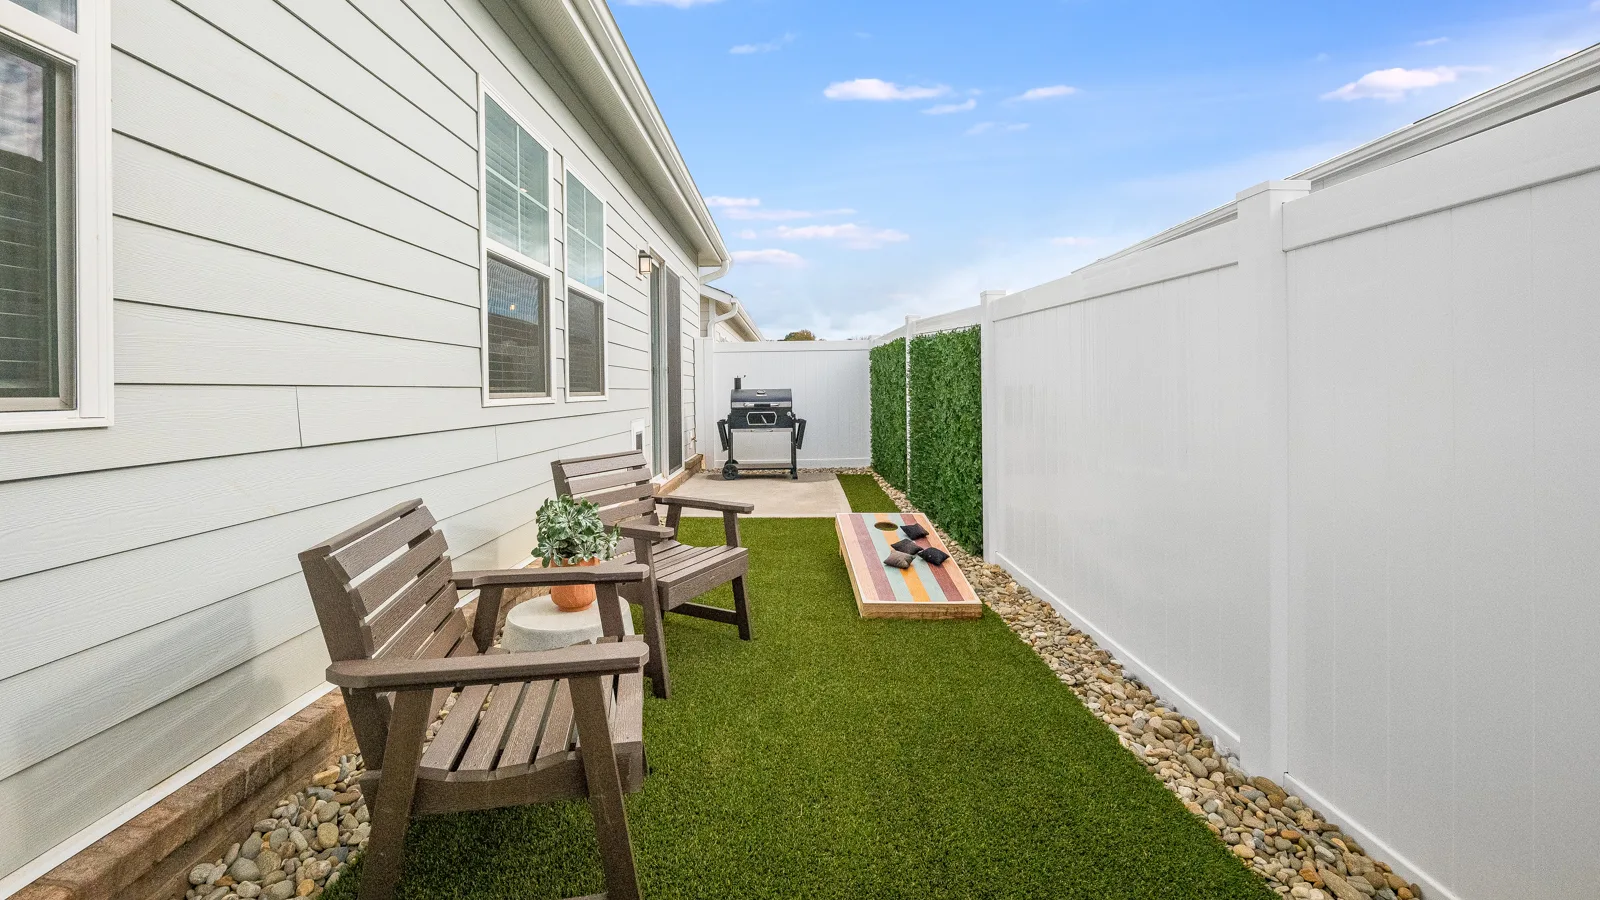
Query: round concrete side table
x=538, y=624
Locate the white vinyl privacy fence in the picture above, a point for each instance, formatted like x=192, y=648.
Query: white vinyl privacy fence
x=1323, y=467
x=829, y=381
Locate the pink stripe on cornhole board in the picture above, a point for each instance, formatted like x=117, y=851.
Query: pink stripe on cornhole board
x=870, y=560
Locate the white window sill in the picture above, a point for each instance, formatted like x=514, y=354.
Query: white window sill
x=589, y=398
x=49, y=420
x=519, y=401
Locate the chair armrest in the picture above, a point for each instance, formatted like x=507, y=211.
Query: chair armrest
x=606, y=573
x=647, y=531
x=702, y=503
x=595, y=660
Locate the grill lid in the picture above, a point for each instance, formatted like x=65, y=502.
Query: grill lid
x=777, y=397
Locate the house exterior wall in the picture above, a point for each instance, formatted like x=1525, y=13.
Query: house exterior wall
x=297, y=347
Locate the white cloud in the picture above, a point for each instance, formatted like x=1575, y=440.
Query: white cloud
x=748, y=209
x=771, y=257
x=878, y=89
x=1394, y=84
x=986, y=127
x=768, y=47
x=1434, y=42
x=1046, y=93
x=748, y=234
x=945, y=109
x=1073, y=241
x=1595, y=6
x=677, y=4
x=849, y=234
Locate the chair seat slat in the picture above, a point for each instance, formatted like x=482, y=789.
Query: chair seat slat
x=685, y=566
x=451, y=738
x=487, y=740
x=557, y=736
x=525, y=731
x=628, y=721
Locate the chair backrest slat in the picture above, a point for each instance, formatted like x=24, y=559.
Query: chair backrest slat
x=372, y=549
x=387, y=621
x=415, y=634
x=637, y=478
x=611, y=515
x=605, y=462
x=618, y=482
x=386, y=582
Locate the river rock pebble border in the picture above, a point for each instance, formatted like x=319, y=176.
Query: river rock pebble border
x=1297, y=851
x=301, y=850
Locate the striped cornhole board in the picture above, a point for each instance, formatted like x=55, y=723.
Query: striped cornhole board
x=884, y=592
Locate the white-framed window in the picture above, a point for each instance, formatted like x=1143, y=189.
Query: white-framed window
x=517, y=271
x=55, y=215
x=586, y=291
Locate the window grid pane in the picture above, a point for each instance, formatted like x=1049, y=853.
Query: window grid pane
x=585, y=236
x=517, y=176
x=585, y=348
x=32, y=346
x=519, y=335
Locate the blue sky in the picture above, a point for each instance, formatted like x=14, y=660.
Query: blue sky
x=867, y=159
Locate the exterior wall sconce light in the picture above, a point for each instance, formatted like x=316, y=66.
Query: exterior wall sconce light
x=647, y=262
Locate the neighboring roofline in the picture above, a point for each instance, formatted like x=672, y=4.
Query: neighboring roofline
x=724, y=302
x=1563, y=80
x=585, y=40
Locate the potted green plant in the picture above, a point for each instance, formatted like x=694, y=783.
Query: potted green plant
x=571, y=534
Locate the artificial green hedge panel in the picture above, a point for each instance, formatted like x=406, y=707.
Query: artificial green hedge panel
x=888, y=376
x=947, y=433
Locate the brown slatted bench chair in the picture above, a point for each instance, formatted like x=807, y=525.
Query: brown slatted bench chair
x=524, y=728
x=620, y=484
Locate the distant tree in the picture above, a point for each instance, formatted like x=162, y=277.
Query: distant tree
x=801, y=335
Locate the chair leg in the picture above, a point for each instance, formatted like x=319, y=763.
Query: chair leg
x=741, y=606
x=655, y=637
x=605, y=788
x=391, y=809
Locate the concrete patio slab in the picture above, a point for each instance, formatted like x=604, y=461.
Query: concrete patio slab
x=815, y=495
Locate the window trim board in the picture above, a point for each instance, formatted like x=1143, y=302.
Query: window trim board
x=88, y=51
x=511, y=256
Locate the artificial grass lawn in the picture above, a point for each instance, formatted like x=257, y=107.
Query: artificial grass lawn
x=836, y=757
x=865, y=495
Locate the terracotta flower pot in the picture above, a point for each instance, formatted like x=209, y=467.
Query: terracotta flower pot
x=573, y=597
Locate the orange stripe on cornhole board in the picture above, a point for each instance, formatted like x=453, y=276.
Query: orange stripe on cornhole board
x=919, y=591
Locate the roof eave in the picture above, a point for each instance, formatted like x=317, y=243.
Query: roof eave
x=586, y=41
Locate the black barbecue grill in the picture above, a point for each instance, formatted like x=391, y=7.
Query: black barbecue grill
x=761, y=409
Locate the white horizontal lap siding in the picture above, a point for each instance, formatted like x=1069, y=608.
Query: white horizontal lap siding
x=831, y=392
x=1130, y=458
x=1445, y=390
x=297, y=337
x=183, y=45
